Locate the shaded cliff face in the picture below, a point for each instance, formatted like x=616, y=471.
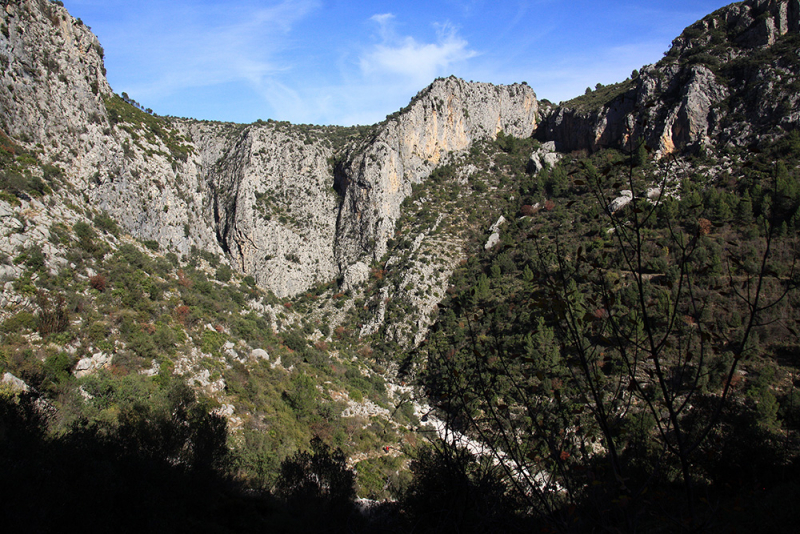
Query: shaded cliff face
x=443, y=119
x=271, y=202
x=729, y=78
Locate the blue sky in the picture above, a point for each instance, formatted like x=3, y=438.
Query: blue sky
x=347, y=62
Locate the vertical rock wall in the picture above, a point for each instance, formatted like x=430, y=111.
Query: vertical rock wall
x=448, y=116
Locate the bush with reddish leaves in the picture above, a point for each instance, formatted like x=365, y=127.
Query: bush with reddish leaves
x=98, y=282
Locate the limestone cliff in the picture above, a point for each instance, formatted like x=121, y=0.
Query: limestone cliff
x=53, y=80
x=264, y=195
x=272, y=204
x=54, y=97
x=744, y=54
x=446, y=117
x=272, y=194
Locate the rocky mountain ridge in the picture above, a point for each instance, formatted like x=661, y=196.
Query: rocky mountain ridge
x=745, y=53
x=292, y=210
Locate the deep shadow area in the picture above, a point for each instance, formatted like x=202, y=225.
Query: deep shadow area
x=143, y=477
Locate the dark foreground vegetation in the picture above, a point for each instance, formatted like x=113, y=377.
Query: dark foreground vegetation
x=169, y=471
x=633, y=366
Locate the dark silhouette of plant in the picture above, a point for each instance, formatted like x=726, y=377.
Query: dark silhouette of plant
x=453, y=491
x=619, y=387
x=317, y=481
x=154, y=473
x=654, y=346
x=640, y=154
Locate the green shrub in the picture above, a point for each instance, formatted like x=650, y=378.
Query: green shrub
x=57, y=368
x=302, y=396
x=98, y=331
x=355, y=394
x=223, y=273
x=295, y=341
x=53, y=317
x=83, y=230
x=131, y=257
x=164, y=338
x=106, y=224
x=19, y=322
x=212, y=341
x=34, y=258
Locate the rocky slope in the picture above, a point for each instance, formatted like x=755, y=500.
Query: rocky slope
x=297, y=206
x=729, y=78
x=300, y=206
x=443, y=119
x=263, y=194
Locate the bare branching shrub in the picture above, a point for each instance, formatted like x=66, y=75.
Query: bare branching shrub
x=53, y=317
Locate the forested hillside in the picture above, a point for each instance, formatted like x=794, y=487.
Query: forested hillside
x=484, y=314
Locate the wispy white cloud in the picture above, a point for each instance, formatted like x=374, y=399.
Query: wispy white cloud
x=384, y=22
x=409, y=61
x=209, y=47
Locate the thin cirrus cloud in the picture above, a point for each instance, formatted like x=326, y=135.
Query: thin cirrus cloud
x=245, y=45
x=412, y=62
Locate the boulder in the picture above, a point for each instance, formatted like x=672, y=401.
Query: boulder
x=625, y=198
x=355, y=275
x=545, y=155
x=15, y=383
x=494, y=237
x=88, y=366
x=259, y=354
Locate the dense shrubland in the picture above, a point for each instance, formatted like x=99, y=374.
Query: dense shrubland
x=608, y=354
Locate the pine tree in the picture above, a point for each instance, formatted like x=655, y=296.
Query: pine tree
x=640, y=156
x=744, y=211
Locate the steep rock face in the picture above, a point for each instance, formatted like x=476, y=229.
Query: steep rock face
x=446, y=117
x=667, y=114
x=272, y=204
x=53, y=83
x=54, y=96
x=271, y=194
x=152, y=196
x=50, y=59
x=261, y=194
x=680, y=102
